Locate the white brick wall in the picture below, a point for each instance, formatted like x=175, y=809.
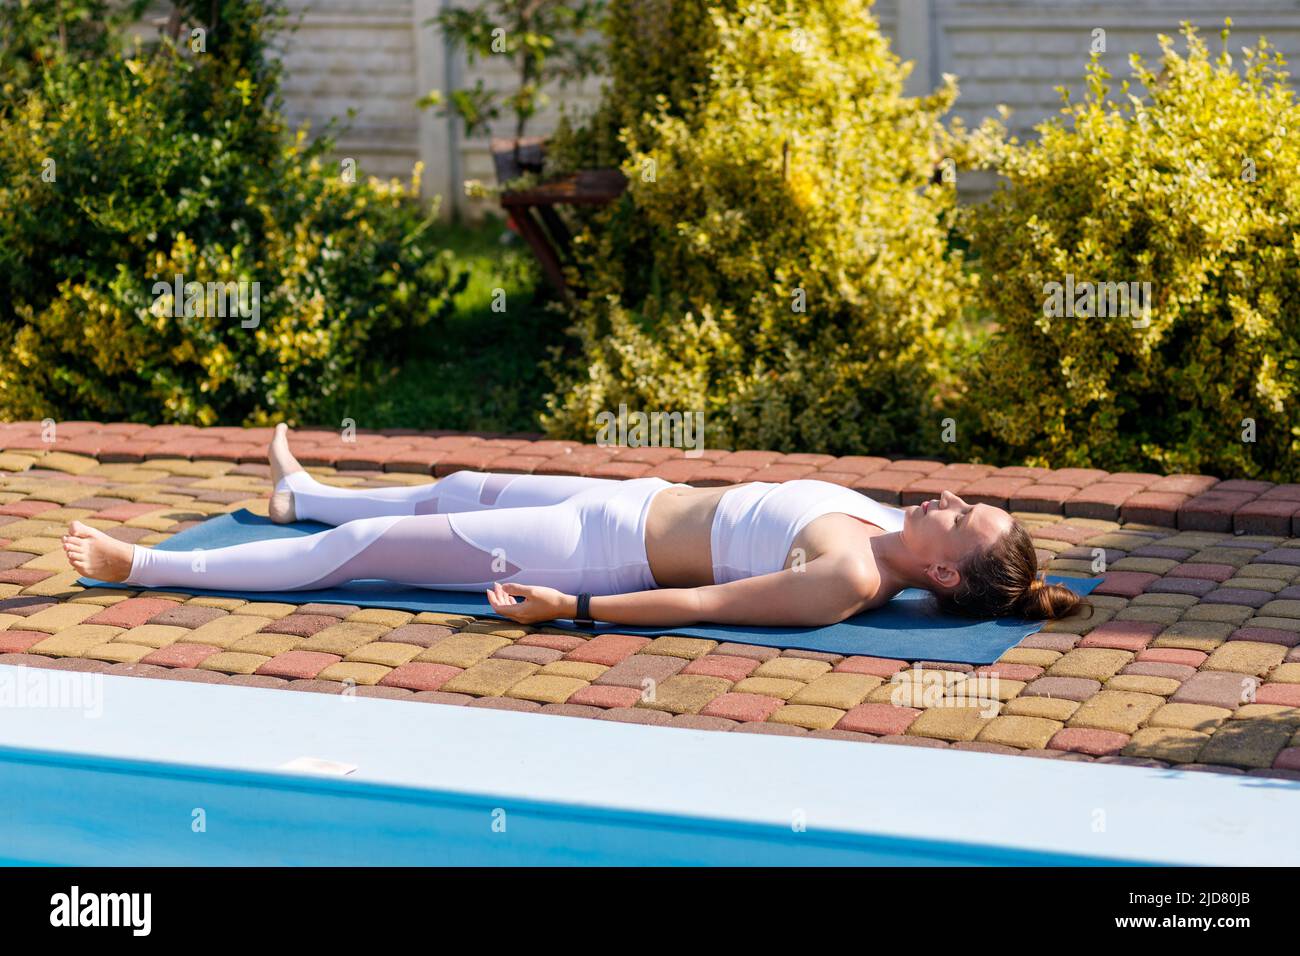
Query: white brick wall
x=375, y=58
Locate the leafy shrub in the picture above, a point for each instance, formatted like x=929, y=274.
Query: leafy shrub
x=1189, y=181
x=780, y=260
x=173, y=161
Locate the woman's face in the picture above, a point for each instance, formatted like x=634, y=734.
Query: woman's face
x=944, y=531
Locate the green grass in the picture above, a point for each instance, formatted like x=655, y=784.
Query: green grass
x=483, y=371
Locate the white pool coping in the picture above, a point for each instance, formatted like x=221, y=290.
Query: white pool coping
x=1052, y=806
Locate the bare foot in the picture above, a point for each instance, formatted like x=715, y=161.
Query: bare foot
x=96, y=555
x=282, y=463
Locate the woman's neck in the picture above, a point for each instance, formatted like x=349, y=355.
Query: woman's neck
x=897, y=567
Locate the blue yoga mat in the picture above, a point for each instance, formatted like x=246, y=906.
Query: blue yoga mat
x=908, y=627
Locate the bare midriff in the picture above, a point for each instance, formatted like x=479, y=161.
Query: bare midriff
x=679, y=527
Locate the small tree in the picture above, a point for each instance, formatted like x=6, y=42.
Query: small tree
x=541, y=37
x=1188, y=181
x=780, y=261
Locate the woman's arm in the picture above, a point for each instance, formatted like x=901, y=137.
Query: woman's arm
x=824, y=591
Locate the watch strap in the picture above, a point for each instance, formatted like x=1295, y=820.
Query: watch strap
x=583, y=617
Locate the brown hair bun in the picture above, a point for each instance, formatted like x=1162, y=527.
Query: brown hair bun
x=1043, y=602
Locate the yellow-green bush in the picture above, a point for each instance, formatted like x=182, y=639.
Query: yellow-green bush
x=166, y=161
x=1189, y=179
x=781, y=260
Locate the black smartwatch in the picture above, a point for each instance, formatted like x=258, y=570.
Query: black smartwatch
x=583, y=617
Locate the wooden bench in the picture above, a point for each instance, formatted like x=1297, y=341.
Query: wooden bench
x=532, y=211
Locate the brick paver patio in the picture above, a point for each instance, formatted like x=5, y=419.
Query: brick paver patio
x=1190, y=659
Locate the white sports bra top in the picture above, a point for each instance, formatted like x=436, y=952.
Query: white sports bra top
x=756, y=524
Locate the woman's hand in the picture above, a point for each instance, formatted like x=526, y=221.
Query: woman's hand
x=538, y=604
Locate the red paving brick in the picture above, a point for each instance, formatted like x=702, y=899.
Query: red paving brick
x=1098, y=743
x=180, y=655
x=132, y=612
x=607, y=649
x=878, y=719
x=297, y=665
x=742, y=707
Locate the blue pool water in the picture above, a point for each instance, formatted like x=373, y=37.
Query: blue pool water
x=133, y=771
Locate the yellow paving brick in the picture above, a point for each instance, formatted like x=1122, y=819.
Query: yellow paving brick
x=1255, y=584
x=232, y=662
x=438, y=617
x=1268, y=713
x=890, y=693
x=264, y=644
x=32, y=528
x=490, y=678
x=1094, y=663
x=192, y=469
x=1187, y=642
x=1246, y=657
x=154, y=635
x=355, y=672
x=1198, y=717
x=273, y=610
x=927, y=676
x=791, y=668
x=1171, y=744
x=9, y=590
x=75, y=640
x=142, y=495
x=1033, y=656
x=232, y=483
x=1286, y=673
x=1140, y=684
x=12, y=462
x=1226, y=613
x=224, y=631
x=63, y=584
x=1019, y=731
x=37, y=547
x=1277, y=623
x=1150, y=614
x=1115, y=710
x=577, y=669
x=343, y=638
x=769, y=687
x=498, y=628
x=683, y=693
x=55, y=561
x=807, y=715
x=60, y=616
x=181, y=596
x=463, y=650
x=546, y=688
x=11, y=620
x=160, y=520
x=950, y=723
x=380, y=615
x=224, y=603
x=985, y=687
x=837, y=690
x=101, y=597
x=674, y=646
x=387, y=653
x=118, y=652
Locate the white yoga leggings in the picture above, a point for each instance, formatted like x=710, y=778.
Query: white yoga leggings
x=463, y=532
